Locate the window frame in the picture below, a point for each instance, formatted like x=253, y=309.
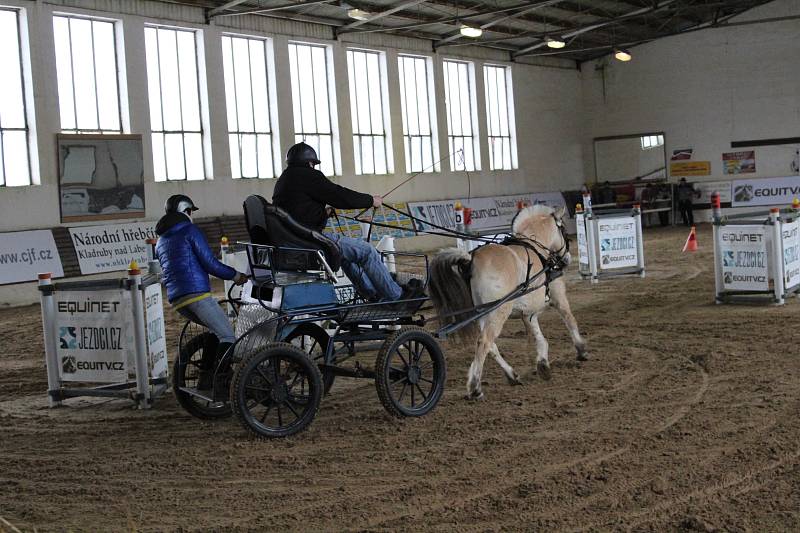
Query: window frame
x=272, y=107
x=355, y=113
x=649, y=141
x=430, y=96
x=203, y=131
x=120, y=78
x=330, y=87
x=27, y=112
x=509, y=105
x=473, y=111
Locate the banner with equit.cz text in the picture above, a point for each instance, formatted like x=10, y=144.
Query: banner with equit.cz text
x=744, y=258
x=767, y=191
x=26, y=254
x=617, y=242
x=111, y=247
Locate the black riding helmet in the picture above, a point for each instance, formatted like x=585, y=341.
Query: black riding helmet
x=179, y=203
x=301, y=154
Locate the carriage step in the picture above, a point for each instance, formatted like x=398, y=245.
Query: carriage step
x=204, y=394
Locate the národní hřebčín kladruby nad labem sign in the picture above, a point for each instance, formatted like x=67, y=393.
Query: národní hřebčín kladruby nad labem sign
x=111, y=247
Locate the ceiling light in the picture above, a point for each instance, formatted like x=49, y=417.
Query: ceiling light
x=358, y=14
x=555, y=43
x=622, y=55
x=469, y=31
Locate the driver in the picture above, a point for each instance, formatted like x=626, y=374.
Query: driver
x=304, y=192
x=186, y=262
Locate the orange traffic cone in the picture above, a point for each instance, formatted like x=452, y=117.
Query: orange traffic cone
x=691, y=241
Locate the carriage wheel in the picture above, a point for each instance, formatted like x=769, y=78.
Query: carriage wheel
x=276, y=391
x=185, y=373
x=313, y=340
x=410, y=372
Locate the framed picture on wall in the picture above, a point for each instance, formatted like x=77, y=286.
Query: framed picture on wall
x=100, y=177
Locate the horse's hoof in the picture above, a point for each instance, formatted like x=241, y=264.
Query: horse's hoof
x=543, y=369
x=514, y=380
x=475, y=396
x=583, y=356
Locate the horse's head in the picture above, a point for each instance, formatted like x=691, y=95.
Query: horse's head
x=544, y=225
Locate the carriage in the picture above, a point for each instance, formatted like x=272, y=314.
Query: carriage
x=298, y=329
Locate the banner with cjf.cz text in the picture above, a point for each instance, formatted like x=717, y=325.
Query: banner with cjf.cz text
x=25, y=254
x=617, y=242
x=790, y=235
x=94, y=335
x=111, y=247
x=744, y=258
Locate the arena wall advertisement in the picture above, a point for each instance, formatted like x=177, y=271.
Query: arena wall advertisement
x=111, y=247
x=707, y=188
x=487, y=213
x=618, y=243
x=744, y=258
x=769, y=191
x=25, y=254
x=156, y=342
x=791, y=253
x=95, y=335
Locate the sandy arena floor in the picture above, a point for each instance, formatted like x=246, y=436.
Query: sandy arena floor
x=685, y=419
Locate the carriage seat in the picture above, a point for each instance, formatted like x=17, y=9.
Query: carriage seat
x=270, y=225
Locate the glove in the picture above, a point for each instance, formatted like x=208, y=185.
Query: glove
x=240, y=279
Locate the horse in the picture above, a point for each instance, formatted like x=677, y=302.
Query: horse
x=531, y=260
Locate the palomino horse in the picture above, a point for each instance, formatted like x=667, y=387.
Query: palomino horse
x=460, y=281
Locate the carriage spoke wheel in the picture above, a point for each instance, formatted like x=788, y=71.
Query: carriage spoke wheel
x=313, y=340
x=186, y=372
x=276, y=391
x=410, y=372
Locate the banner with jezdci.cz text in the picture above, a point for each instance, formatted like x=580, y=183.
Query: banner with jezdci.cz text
x=744, y=258
x=26, y=254
x=111, y=247
x=617, y=242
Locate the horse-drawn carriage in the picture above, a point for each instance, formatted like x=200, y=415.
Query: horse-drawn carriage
x=296, y=328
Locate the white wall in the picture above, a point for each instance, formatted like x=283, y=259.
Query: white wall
x=547, y=100
x=705, y=89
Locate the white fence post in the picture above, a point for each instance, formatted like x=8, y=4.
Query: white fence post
x=777, y=254
x=591, y=236
x=139, y=337
x=637, y=215
x=50, y=334
x=717, y=262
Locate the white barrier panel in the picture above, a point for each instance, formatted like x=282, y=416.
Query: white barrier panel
x=744, y=258
x=24, y=254
x=617, y=238
x=790, y=233
x=609, y=243
x=583, y=247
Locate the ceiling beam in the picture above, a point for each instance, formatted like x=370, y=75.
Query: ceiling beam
x=262, y=10
x=376, y=16
x=224, y=7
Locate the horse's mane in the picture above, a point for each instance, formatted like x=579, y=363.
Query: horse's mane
x=528, y=212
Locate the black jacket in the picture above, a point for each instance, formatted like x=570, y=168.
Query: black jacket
x=304, y=192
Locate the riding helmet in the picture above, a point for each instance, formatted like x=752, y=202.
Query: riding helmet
x=301, y=153
x=179, y=203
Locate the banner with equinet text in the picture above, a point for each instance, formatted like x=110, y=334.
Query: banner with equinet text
x=617, y=242
x=744, y=258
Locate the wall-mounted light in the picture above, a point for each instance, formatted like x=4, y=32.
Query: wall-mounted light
x=358, y=14
x=622, y=55
x=555, y=43
x=469, y=31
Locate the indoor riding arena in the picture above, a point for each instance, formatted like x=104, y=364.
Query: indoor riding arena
x=438, y=265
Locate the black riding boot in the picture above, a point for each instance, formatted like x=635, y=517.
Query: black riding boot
x=208, y=362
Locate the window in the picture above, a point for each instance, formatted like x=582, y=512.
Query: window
x=254, y=151
x=175, y=114
x=419, y=114
x=500, y=118
x=15, y=167
x=367, y=73
x=86, y=62
x=313, y=102
x=462, y=126
x=651, y=141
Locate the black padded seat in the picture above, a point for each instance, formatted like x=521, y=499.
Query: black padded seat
x=270, y=225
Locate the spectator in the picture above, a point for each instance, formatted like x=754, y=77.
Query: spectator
x=686, y=195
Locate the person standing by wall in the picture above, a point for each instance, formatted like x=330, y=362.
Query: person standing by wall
x=686, y=195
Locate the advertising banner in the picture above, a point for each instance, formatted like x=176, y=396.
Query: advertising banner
x=382, y=215
x=707, y=188
x=739, y=162
x=25, y=254
x=744, y=258
x=583, y=250
x=690, y=168
x=770, y=191
x=95, y=335
x=156, y=342
x=617, y=242
x=491, y=212
x=791, y=254
x=111, y=247
x=681, y=154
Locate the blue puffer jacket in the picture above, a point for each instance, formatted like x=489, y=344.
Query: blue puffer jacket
x=186, y=260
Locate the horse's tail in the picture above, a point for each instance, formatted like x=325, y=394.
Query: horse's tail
x=450, y=291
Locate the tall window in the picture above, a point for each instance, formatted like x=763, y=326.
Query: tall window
x=86, y=62
x=15, y=169
x=247, y=92
x=367, y=73
x=175, y=114
x=462, y=126
x=419, y=114
x=312, y=101
x=652, y=141
x=500, y=118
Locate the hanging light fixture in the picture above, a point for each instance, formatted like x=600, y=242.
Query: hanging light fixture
x=622, y=55
x=555, y=43
x=358, y=14
x=469, y=31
